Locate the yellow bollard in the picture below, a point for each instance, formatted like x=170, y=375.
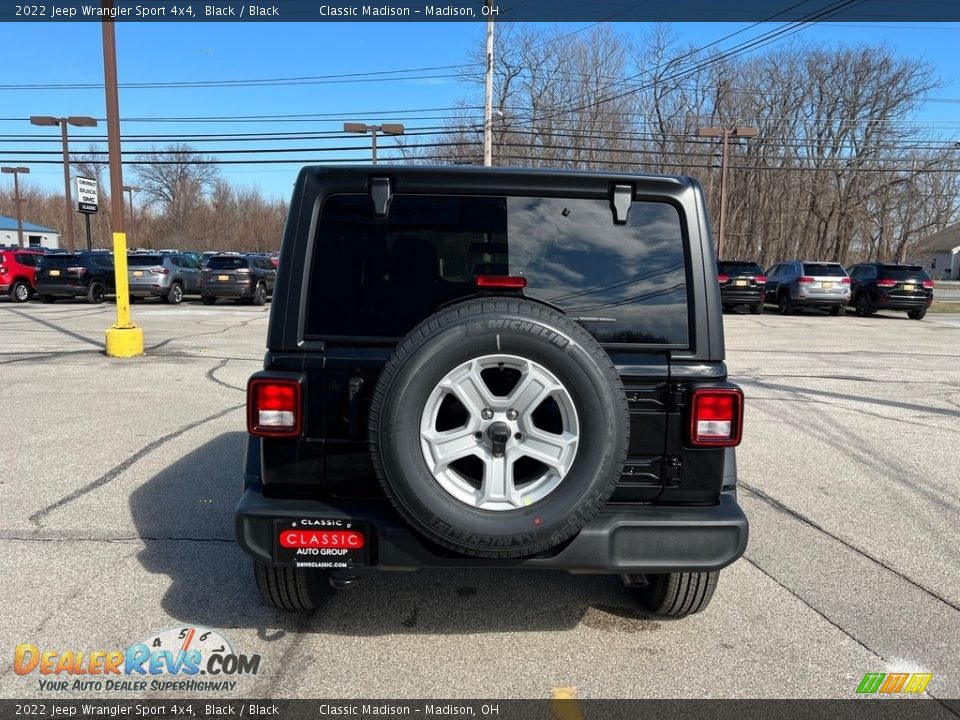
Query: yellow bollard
x=124, y=339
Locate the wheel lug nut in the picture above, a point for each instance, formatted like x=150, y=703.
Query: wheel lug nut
x=478, y=435
x=512, y=414
x=486, y=414
x=518, y=436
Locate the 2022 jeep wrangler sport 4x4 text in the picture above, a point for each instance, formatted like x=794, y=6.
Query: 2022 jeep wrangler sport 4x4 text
x=493, y=368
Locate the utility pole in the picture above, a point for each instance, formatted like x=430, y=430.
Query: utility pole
x=726, y=133
x=17, y=200
x=488, y=95
x=123, y=339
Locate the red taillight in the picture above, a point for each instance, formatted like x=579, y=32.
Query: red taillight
x=274, y=407
x=886, y=282
x=160, y=270
x=928, y=284
x=760, y=279
x=3, y=271
x=845, y=281
x=77, y=270
x=716, y=417
x=501, y=281
x=806, y=280
x=243, y=271
x=723, y=278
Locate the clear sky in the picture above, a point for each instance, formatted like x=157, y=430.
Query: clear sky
x=62, y=53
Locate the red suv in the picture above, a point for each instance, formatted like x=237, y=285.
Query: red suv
x=17, y=269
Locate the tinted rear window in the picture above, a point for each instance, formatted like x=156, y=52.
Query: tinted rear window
x=824, y=269
x=144, y=260
x=903, y=272
x=60, y=260
x=741, y=268
x=379, y=278
x=227, y=263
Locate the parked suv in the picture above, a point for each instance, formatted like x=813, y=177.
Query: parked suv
x=742, y=283
x=84, y=274
x=168, y=276
x=888, y=286
x=794, y=284
x=240, y=277
x=17, y=272
x=493, y=368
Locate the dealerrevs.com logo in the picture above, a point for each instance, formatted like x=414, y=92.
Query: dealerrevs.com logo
x=177, y=659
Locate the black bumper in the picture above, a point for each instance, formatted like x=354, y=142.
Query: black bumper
x=742, y=296
x=902, y=303
x=49, y=288
x=229, y=290
x=622, y=539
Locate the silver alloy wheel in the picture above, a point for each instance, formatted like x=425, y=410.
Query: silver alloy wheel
x=501, y=430
x=21, y=292
x=176, y=293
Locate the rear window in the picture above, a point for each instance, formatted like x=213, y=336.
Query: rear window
x=144, y=260
x=739, y=268
x=60, y=260
x=227, y=263
x=824, y=269
x=903, y=272
x=379, y=278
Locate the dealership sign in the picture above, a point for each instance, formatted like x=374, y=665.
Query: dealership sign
x=87, y=197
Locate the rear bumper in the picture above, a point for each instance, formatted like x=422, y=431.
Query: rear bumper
x=622, y=539
x=822, y=300
x=228, y=290
x=742, y=295
x=49, y=288
x=902, y=303
x=141, y=289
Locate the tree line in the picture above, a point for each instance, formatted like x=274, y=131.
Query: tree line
x=840, y=169
x=182, y=203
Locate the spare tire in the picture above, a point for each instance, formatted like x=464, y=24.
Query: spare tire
x=499, y=427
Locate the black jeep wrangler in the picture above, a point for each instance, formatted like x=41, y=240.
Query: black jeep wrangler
x=493, y=368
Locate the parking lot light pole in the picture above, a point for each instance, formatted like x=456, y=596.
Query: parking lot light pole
x=17, y=171
x=726, y=133
x=76, y=121
x=124, y=339
x=386, y=129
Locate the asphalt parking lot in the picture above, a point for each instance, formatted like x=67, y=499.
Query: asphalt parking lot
x=119, y=478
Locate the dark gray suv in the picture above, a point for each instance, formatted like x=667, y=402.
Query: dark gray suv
x=168, y=276
x=238, y=277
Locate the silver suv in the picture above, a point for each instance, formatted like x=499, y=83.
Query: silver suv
x=796, y=284
x=169, y=276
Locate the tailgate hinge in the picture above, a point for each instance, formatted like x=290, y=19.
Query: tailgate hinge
x=676, y=397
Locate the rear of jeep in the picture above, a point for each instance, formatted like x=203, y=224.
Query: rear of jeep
x=493, y=368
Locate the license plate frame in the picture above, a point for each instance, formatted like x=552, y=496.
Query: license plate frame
x=910, y=287
x=54, y=273
x=223, y=278
x=741, y=283
x=828, y=285
x=138, y=273
x=306, y=548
